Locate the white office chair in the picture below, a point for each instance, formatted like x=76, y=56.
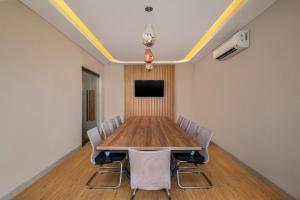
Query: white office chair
x=179, y=120
x=150, y=170
x=185, y=124
x=203, y=138
x=105, y=129
x=199, y=157
x=192, y=130
x=119, y=120
x=100, y=158
x=113, y=123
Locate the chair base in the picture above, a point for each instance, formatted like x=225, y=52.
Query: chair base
x=105, y=170
x=168, y=193
x=133, y=192
x=192, y=170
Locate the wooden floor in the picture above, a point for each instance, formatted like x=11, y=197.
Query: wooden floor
x=67, y=181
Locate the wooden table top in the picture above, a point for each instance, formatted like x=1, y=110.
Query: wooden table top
x=149, y=133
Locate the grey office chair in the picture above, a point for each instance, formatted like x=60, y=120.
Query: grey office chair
x=105, y=129
x=192, y=130
x=119, y=120
x=199, y=157
x=150, y=170
x=100, y=158
x=179, y=120
x=185, y=124
x=113, y=123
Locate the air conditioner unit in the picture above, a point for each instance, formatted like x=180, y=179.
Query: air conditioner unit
x=237, y=43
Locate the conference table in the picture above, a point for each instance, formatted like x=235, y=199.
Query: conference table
x=149, y=133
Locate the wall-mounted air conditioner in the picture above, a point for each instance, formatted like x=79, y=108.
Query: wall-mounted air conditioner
x=237, y=43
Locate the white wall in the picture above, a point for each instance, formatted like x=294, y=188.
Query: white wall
x=40, y=94
x=113, y=91
x=252, y=100
x=184, y=90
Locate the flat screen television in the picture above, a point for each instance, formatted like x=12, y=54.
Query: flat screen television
x=149, y=88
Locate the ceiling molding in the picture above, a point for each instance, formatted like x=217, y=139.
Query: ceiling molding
x=71, y=16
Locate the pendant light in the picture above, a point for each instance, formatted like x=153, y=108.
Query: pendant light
x=148, y=40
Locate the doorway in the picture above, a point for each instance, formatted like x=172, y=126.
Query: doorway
x=90, y=102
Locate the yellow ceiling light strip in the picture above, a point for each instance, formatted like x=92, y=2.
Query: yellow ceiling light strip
x=76, y=21
x=226, y=15
x=234, y=6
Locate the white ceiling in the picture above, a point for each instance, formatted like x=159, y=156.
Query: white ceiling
x=119, y=24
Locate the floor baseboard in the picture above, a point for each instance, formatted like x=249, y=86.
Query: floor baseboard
x=30, y=181
x=272, y=185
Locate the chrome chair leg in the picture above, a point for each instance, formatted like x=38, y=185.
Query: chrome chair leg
x=169, y=194
x=183, y=167
x=186, y=171
x=132, y=195
x=104, y=170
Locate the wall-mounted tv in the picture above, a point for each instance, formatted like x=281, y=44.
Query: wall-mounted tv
x=149, y=88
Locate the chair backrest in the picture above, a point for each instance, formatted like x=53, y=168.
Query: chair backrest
x=106, y=129
x=150, y=170
x=179, y=120
x=203, y=138
x=119, y=120
x=113, y=123
x=95, y=139
x=192, y=130
x=185, y=124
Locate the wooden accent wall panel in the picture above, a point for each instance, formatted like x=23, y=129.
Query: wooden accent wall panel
x=149, y=106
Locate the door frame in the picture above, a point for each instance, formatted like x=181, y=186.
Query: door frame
x=98, y=98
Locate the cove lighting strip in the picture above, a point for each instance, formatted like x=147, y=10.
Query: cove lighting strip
x=69, y=14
